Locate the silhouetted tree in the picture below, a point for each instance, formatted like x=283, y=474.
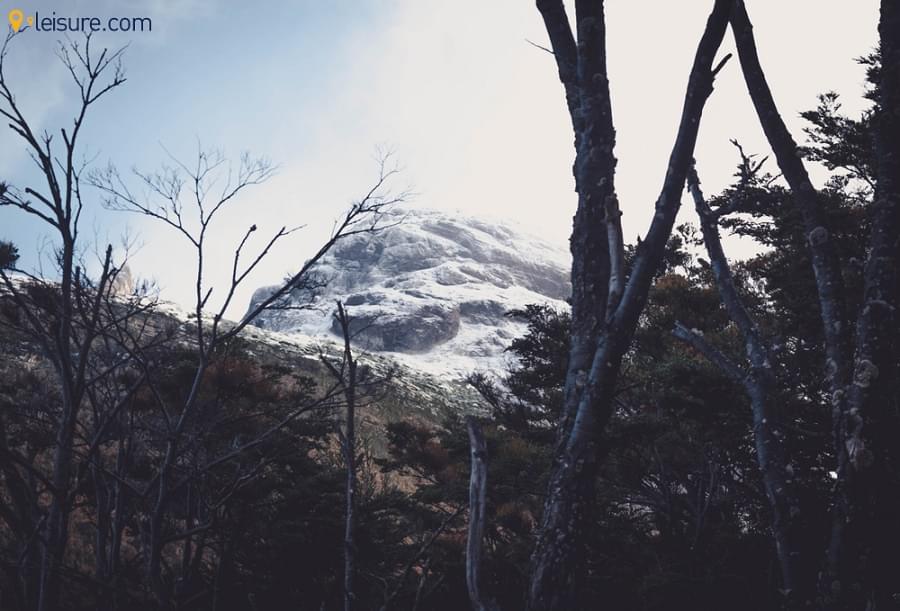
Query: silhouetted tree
x=606, y=306
x=861, y=359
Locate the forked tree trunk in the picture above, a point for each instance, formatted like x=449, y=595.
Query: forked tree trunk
x=605, y=308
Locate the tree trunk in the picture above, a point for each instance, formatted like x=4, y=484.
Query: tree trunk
x=605, y=310
x=346, y=376
x=477, y=507
x=56, y=531
x=559, y=561
x=865, y=572
x=761, y=386
x=858, y=570
x=103, y=506
x=350, y=492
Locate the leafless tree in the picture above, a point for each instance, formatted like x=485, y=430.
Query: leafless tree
x=69, y=317
x=105, y=347
x=346, y=374
x=186, y=198
x=606, y=305
x=358, y=386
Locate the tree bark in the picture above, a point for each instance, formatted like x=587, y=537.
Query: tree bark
x=350, y=493
x=602, y=328
x=477, y=510
x=594, y=173
x=67, y=329
x=861, y=375
x=346, y=376
x=864, y=568
x=761, y=386
x=825, y=262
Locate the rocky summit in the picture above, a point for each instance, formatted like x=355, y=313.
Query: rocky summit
x=432, y=290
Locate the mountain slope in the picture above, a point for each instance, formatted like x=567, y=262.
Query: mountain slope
x=431, y=291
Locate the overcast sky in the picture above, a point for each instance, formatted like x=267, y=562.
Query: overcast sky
x=475, y=114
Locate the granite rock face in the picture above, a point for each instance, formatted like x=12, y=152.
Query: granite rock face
x=435, y=287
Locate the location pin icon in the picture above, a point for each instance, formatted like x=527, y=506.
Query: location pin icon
x=15, y=19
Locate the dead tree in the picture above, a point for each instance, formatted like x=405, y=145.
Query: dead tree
x=477, y=515
x=183, y=198
x=606, y=305
x=359, y=387
x=346, y=375
x=861, y=364
x=759, y=381
x=67, y=316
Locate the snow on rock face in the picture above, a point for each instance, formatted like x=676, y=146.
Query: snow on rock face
x=432, y=291
x=416, y=331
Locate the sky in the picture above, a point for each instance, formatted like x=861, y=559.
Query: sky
x=474, y=114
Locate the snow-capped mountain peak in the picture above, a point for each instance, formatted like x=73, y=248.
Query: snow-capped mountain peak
x=433, y=290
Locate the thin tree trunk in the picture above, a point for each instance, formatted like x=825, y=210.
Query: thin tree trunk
x=477, y=508
x=103, y=504
x=761, y=386
x=825, y=264
x=121, y=504
x=350, y=492
x=162, y=488
x=346, y=376
x=56, y=532
x=155, y=535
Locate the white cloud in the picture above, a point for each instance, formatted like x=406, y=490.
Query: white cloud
x=474, y=112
